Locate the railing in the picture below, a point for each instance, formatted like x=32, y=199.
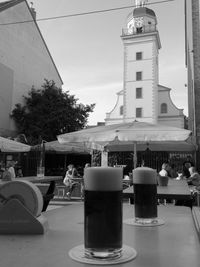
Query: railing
x=134, y=31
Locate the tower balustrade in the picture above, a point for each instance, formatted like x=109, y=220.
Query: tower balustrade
x=134, y=31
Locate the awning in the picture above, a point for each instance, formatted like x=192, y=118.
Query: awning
x=7, y=145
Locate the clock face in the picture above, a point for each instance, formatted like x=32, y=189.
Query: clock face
x=139, y=22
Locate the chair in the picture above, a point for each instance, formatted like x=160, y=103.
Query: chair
x=49, y=195
x=61, y=190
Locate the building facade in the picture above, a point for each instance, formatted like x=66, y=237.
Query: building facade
x=25, y=60
x=192, y=55
x=142, y=98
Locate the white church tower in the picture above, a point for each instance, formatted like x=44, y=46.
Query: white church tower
x=142, y=98
x=141, y=44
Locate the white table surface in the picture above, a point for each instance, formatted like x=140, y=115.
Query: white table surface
x=174, y=244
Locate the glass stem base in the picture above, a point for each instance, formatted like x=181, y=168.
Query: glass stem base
x=104, y=254
x=146, y=220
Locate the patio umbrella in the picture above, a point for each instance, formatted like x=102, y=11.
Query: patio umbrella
x=55, y=146
x=132, y=133
x=7, y=145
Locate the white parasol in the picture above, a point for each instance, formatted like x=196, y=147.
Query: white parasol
x=55, y=146
x=118, y=136
x=7, y=145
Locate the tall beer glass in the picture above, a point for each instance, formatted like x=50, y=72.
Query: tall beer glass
x=103, y=212
x=145, y=195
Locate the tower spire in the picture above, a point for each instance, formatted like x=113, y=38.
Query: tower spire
x=140, y=3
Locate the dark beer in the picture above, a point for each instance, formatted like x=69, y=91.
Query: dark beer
x=103, y=212
x=145, y=193
x=145, y=200
x=103, y=224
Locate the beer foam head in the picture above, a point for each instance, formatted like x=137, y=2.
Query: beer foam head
x=103, y=179
x=144, y=175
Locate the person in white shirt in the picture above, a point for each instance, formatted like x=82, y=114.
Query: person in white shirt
x=165, y=170
x=194, y=178
x=11, y=169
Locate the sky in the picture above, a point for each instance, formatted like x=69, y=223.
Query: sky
x=88, y=50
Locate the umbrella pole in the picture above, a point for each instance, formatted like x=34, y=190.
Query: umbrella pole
x=104, y=158
x=135, y=155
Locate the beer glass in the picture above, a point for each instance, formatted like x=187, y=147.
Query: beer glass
x=145, y=195
x=103, y=212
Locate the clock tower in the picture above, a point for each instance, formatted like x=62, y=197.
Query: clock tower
x=141, y=46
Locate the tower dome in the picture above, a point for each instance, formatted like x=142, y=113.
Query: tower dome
x=141, y=12
x=141, y=19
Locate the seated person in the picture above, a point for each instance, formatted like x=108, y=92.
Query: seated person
x=6, y=176
x=173, y=172
x=11, y=169
x=19, y=173
x=165, y=170
x=185, y=170
x=68, y=181
x=194, y=178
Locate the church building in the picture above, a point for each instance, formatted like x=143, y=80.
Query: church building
x=142, y=97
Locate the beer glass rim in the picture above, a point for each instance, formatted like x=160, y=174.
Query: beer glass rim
x=103, y=179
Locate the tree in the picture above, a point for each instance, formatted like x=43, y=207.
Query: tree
x=48, y=112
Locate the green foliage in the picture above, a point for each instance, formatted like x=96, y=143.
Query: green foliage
x=48, y=112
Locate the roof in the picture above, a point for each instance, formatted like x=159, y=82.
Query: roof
x=7, y=4
x=163, y=88
x=141, y=11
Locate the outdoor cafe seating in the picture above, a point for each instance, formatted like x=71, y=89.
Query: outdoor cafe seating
x=179, y=233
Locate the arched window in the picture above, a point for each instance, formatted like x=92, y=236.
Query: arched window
x=138, y=112
x=163, y=108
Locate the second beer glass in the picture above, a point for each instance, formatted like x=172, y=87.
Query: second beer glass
x=103, y=212
x=145, y=195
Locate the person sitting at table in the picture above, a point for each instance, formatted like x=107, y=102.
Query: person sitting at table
x=11, y=169
x=173, y=173
x=68, y=179
x=87, y=165
x=1, y=171
x=19, y=173
x=165, y=170
x=6, y=175
x=185, y=169
x=194, y=178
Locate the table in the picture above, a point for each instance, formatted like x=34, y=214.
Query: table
x=35, y=179
x=45, y=179
x=176, y=189
x=175, y=243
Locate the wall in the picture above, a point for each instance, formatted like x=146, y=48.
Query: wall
x=6, y=91
x=24, y=53
x=149, y=68
x=114, y=115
